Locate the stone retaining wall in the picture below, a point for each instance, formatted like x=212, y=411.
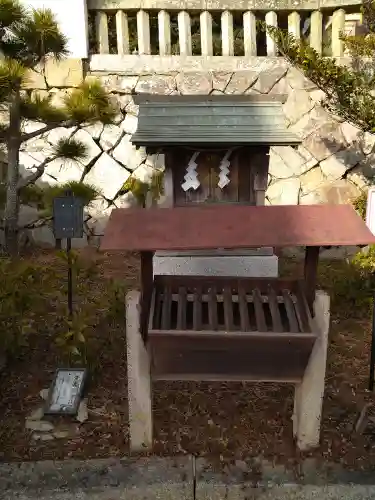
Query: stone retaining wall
x=333, y=164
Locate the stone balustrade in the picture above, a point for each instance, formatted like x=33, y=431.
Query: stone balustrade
x=189, y=27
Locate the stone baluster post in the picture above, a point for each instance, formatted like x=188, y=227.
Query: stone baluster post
x=316, y=31
x=206, y=33
x=249, y=33
x=143, y=31
x=184, y=33
x=294, y=24
x=338, y=26
x=227, y=39
x=271, y=20
x=122, y=29
x=102, y=32
x=164, y=25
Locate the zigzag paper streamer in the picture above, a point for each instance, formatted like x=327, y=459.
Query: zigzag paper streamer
x=224, y=170
x=191, y=176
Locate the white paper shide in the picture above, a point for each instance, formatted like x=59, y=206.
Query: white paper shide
x=191, y=176
x=224, y=170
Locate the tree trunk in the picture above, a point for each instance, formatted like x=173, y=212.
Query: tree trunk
x=12, y=200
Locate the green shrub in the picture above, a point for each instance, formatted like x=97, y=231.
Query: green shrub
x=21, y=300
x=360, y=205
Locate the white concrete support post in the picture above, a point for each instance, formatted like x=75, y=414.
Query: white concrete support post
x=206, y=33
x=316, y=31
x=143, y=31
x=164, y=27
x=184, y=33
x=227, y=38
x=271, y=20
x=139, y=380
x=294, y=24
x=338, y=27
x=308, y=397
x=250, y=33
x=122, y=29
x=102, y=32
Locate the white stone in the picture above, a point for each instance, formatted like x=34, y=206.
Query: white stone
x=39, y=425
x=312, y=180
x=139, y=379
x=350, y=132
x=333, y=168
x=37, y=414
x=27, y=215
x=95, y=130
x=29, y=126
x=295, y=164
x=38, y=145
x=132, y=108
x=143, y=173
x=310, y=122
x=156, y=84
x=110, y=137
x=44, y=394
x=297, y=105
x=285, y=192
x=93, y=150
x=156, y=161
x=60, y=133
x=97, y=207
x=194, y=83
x=241, y=81
x=63, y=171
x=128, y=155
x=82, y=414
x=100, y=210
x=246, y=265
x=27, y=162
x=43, y=236
x=127, y=200
x=107, y=175
x=130, y=123
x=325, y=141
x=308, y=399
x=368, y=142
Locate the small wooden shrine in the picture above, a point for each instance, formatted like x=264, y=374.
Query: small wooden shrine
x=225, y=328
x=215, y=150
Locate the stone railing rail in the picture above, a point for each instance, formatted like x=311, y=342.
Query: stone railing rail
x=152, y=24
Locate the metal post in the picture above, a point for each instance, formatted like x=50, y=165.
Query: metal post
x=70, y=277
x=372, y=356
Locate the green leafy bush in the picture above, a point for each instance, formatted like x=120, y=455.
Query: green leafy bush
x=21, y=300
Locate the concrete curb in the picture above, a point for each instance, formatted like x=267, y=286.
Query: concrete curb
x=174, y=474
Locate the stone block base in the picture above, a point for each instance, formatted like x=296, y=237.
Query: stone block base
x=308, y=396
x=261, y=266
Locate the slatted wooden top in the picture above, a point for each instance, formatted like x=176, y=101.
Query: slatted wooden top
x=234, y=226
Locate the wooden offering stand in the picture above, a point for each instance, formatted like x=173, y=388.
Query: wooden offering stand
x=208, y=328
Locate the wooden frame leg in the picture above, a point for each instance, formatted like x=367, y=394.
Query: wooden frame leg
x=139, y=380
x=308, y=398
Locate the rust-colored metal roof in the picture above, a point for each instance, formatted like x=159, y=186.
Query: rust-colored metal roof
x=234, y=226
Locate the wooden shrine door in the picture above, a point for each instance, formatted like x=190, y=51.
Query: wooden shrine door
x=240, y=179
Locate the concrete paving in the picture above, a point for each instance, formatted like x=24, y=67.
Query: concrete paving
x=181, y=479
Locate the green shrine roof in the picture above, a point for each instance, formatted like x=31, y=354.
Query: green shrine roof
x=219, y=119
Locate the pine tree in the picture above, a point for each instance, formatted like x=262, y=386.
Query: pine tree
x=28, y=38
x=350, y=88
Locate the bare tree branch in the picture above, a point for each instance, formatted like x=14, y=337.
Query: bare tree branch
x=35, y=175
x=47, y=128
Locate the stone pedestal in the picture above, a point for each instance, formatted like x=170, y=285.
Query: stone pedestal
x=308, y=396
x=262, y=263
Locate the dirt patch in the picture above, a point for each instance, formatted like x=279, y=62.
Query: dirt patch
x=222, y=420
